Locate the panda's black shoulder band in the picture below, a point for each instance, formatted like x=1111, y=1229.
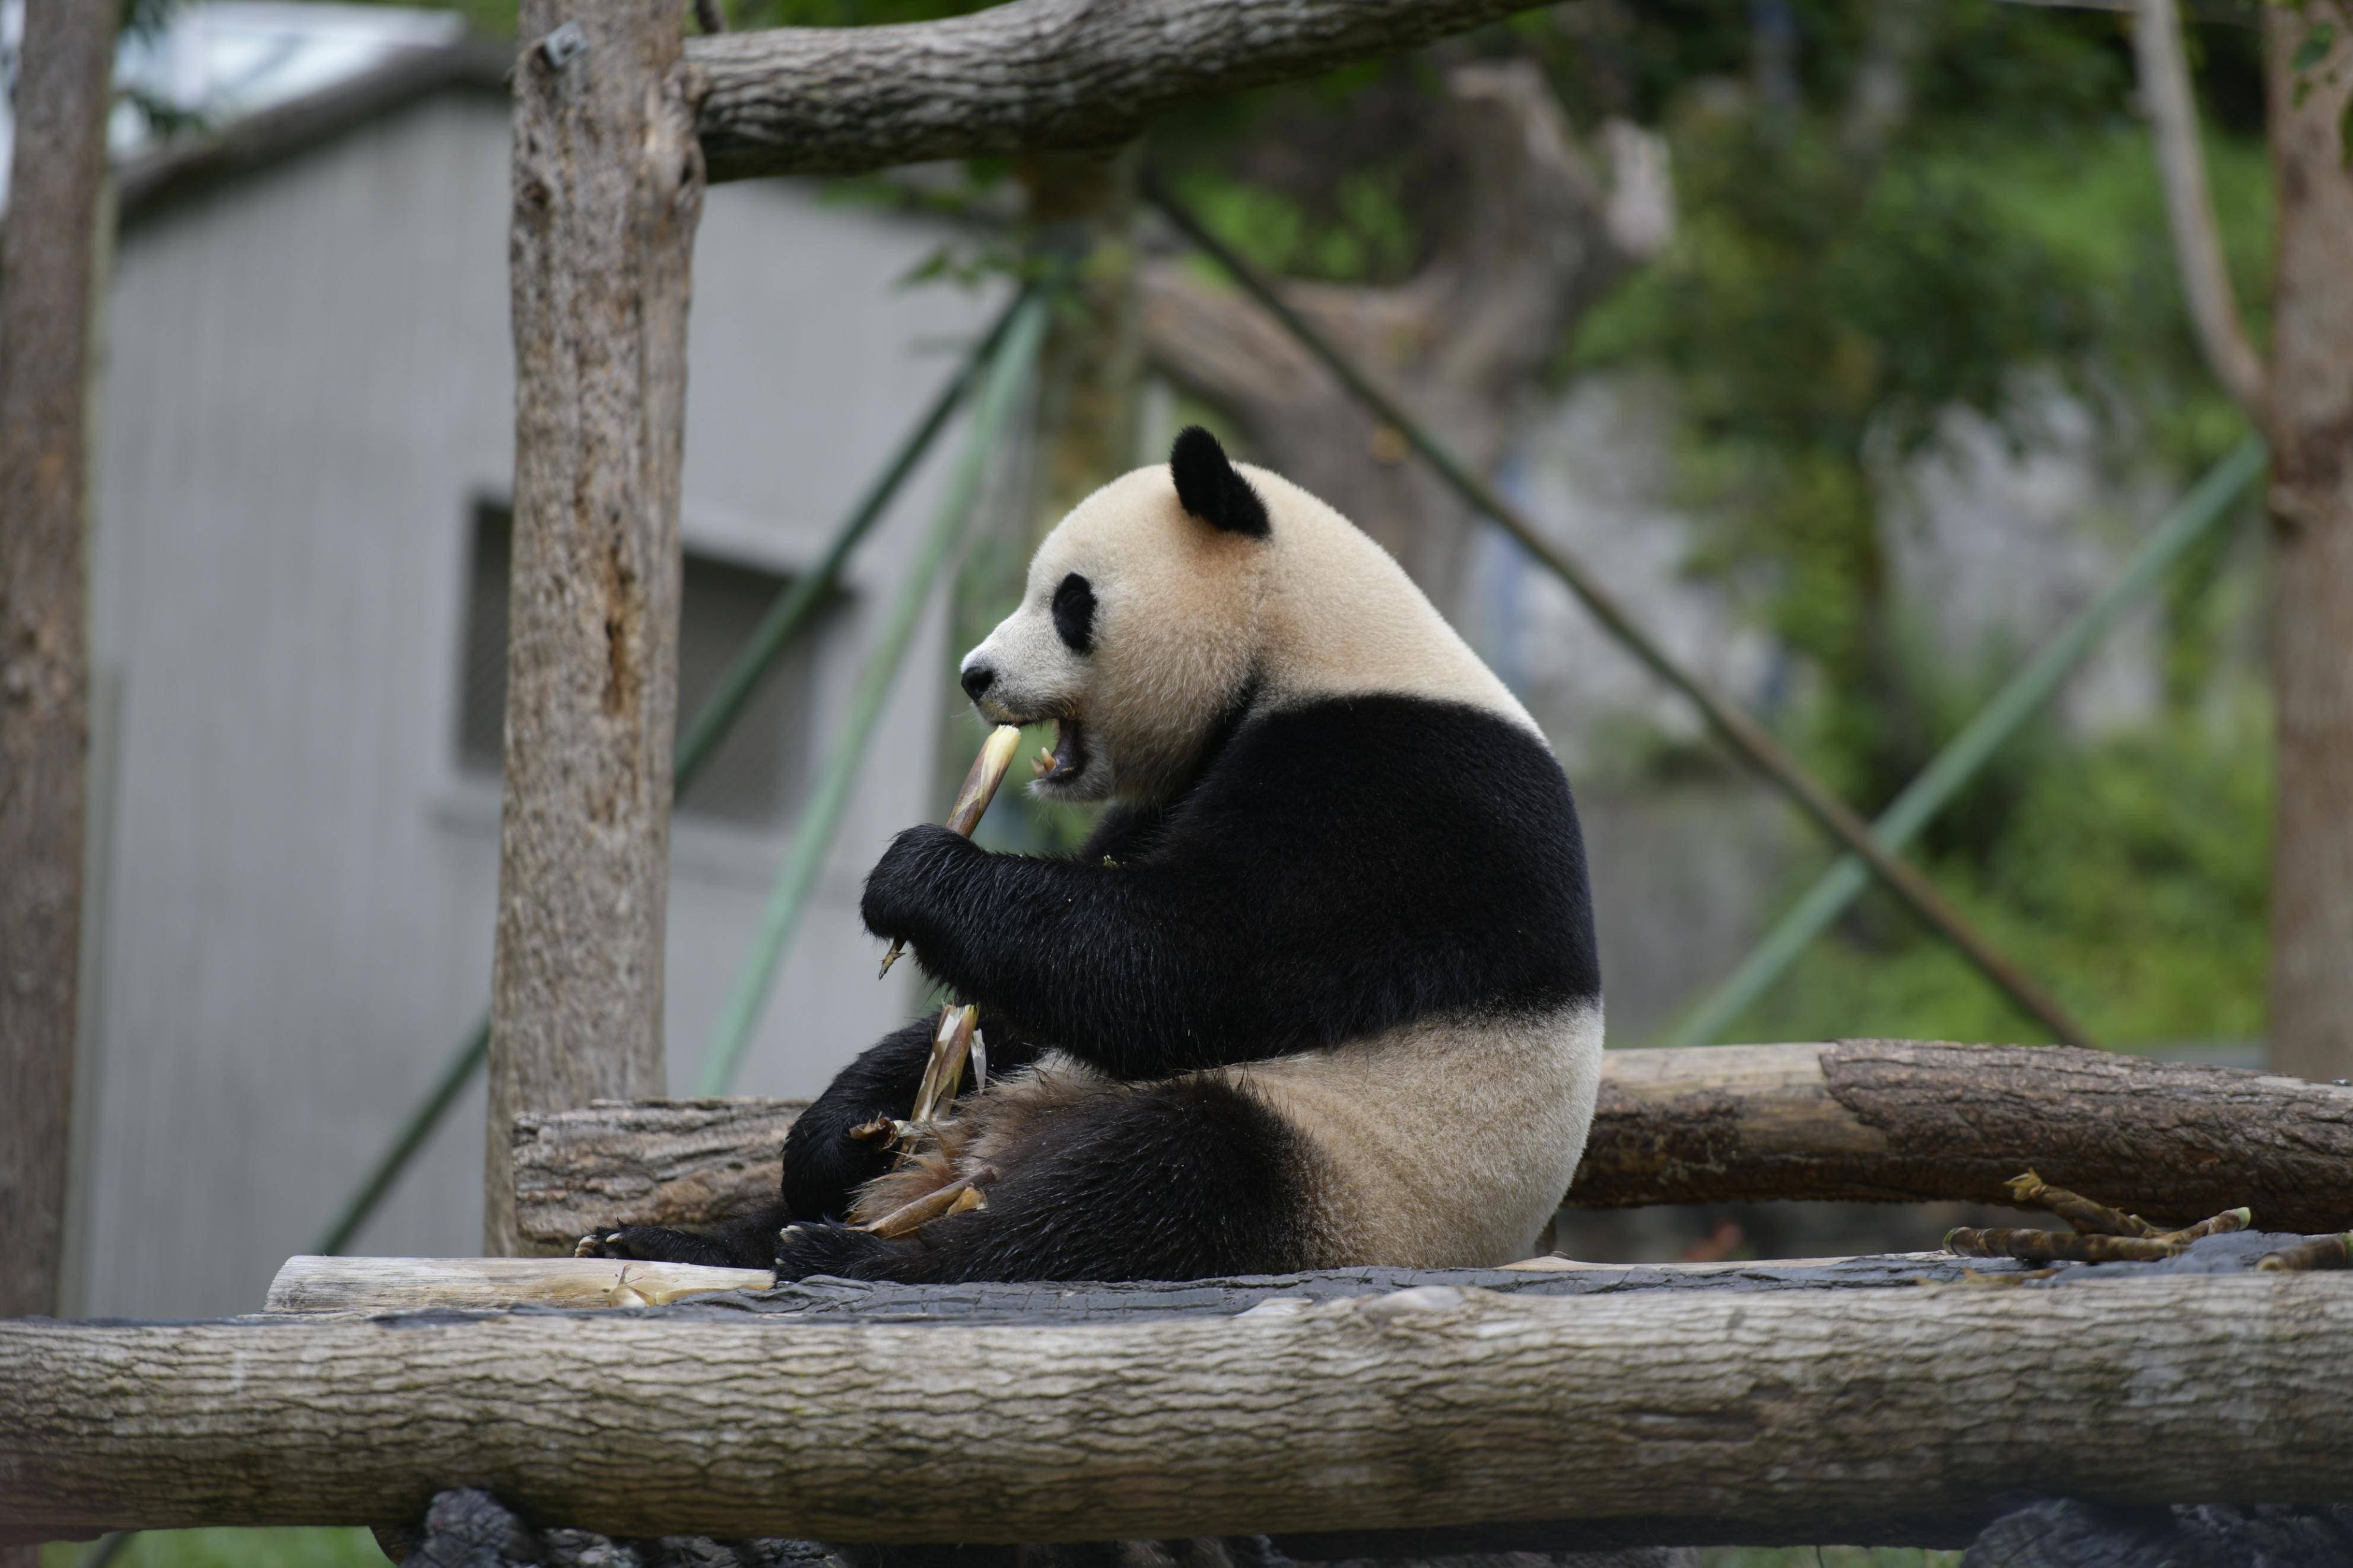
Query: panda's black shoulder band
x=1209, y=487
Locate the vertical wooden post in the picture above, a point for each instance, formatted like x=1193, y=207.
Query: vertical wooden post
x=2309, y=72
x=47, y=275
x=608, y=182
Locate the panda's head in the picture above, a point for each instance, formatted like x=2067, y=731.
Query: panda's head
x=1139, y=628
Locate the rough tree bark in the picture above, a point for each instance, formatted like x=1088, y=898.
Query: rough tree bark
x=1885, y=1121
x=1539, y=242
x=1028, y=77
x=48, y=248
x=607, y=187
x=2311, y=428
x=314, y=1285
x=1784, y=1413
x=2302, y=401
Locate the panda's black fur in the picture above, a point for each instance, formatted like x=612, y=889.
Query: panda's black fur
x=1323, y=871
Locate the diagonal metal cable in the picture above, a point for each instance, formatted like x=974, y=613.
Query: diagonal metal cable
x=1735, y=728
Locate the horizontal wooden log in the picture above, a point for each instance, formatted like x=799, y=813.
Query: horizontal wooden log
x=1030, y=76
x=1427, y=1408
x=664, y=1161
x=474, y=1284
x=1887, y=1121
x=312, y=1284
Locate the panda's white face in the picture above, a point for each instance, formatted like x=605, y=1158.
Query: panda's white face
x=1138, y=624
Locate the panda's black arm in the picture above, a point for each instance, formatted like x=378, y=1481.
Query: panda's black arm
x=1081, y=953
x=1344, y=869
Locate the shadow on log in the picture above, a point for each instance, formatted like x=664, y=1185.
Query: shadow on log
x=1887, y=1121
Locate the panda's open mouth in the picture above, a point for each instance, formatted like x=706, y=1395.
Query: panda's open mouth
x=1066, y=759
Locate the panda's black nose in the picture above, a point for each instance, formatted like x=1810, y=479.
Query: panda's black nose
x=978, y=679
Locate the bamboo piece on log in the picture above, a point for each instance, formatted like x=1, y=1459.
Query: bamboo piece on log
x=1343, y=1415
x=473, y=1284
x=1890, y=1121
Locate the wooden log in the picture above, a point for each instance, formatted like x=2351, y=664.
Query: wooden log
x=312, y=1284
x=1032, y=76
x=658, y=1161
x=1887, y=1121
x=1433, y=1406
x=608, y=186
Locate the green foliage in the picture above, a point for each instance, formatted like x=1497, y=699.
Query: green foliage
x=233, y=1549
x=2130, y=876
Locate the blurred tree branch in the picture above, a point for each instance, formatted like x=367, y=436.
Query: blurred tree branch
x=2168, y=100
x=1540, y=240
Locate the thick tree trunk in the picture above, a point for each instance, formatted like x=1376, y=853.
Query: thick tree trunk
x=48, y=248
x=2311, y=408
x=607, y=188
x=1781, y=1413
x=1884, y=1120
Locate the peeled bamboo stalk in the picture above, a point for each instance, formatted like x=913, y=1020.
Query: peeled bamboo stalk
x=944, y=1074
x=959, y=1196
x=980, y=781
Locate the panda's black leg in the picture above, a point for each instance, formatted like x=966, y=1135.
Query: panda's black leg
x=823, y=1164
x=746, y=1241
x=1185, y=1180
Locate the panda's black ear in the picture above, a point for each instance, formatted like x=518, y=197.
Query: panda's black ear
x=1207, y=487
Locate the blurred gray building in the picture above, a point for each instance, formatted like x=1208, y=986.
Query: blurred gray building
x=298, y=575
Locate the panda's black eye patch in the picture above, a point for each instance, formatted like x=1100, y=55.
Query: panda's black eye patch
x=1074, y=613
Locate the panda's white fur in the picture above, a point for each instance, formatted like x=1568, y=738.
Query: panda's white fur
x=1320, y=991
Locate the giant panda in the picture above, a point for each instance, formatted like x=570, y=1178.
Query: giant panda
x=1320, y=990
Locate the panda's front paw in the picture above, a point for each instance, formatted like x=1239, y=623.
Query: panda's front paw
x=645, y=1244
x=904, y=890
x=611, y=1242
x=823, y=1247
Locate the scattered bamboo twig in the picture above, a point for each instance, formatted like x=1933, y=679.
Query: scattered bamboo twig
x=2101, y=1234
x=2056, y=1245
x=2313, y=1252
x=2030, y=1191
x=980, y=781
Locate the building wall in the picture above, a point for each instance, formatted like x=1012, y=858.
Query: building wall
x=308, y=385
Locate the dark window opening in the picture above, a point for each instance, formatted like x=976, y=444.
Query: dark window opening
x=759, y=772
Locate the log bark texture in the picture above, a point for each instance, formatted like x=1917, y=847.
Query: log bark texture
x=478, y=1284
x=607, y=188
x=2311, y=428
x=1428, y=1406
x=1884, y=1120
x=48, y=248
x=1032, y=76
